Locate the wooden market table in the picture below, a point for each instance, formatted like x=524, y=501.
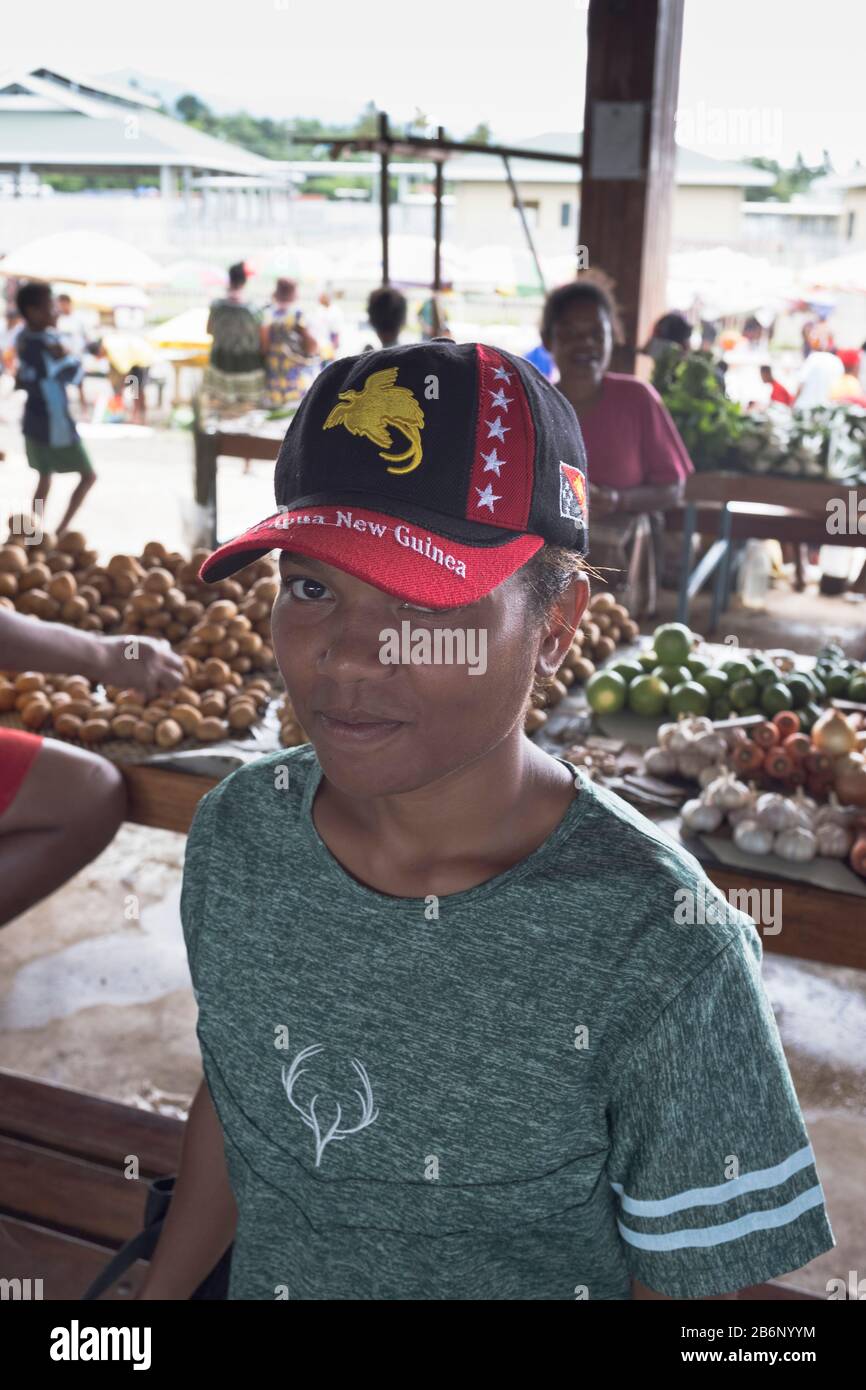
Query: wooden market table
x=818, y=925
x=732, y=506
x=209, y=446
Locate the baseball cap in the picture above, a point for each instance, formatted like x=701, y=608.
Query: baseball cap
x=430, y=470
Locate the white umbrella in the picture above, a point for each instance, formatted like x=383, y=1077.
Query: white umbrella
x=410, y=262
x=82, y=258
x=845, y=273
x=103, y=296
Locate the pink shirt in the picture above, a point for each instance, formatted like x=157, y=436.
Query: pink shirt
x=630, y=438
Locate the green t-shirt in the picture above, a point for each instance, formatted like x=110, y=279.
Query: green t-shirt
x=540, y=1091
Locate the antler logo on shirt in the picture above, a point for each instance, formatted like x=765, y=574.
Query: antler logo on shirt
x=372, y=410
x=309, y=1116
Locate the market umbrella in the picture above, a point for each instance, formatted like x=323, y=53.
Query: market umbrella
x=184, y=332
x=194, y=275
x=410, y=262
x=82, y=258
x=105, y=297
x=295, y=263
x=843, y=273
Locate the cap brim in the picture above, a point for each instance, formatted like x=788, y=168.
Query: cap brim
x=402, y=558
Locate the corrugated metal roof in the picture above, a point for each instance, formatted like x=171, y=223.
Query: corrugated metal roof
x=692, y=168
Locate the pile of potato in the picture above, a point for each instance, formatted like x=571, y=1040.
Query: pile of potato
x=291, y=732
x=604, y=625
x=213, y=703
x=157, y=593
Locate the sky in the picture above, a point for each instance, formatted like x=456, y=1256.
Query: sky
x=757, y=77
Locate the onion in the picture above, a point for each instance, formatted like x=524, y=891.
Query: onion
x=833, y=734
x=849, y=775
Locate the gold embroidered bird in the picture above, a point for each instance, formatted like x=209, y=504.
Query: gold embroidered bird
x=377, y=407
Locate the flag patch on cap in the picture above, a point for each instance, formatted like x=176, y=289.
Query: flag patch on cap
x=572, y=493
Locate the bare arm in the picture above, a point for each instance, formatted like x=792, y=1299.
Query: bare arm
x=202, y=1215
x=142, y=662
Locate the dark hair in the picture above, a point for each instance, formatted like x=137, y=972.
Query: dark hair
x=674, y=328
x=237, y=275
x=386, y=310
x=546, y=578
x=591, y=286
x=765, y=367
x=285, y=288
x=31, y=295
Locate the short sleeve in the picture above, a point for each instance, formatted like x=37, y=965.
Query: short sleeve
x=710, y=1162
x=664, y=455
x=195, y=878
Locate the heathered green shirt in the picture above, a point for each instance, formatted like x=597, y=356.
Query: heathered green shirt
x=531, y=1089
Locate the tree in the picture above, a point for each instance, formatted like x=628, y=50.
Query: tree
x=191, y=110
x=481, y=135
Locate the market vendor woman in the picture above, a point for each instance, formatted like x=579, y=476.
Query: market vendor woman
x=637, y=462
x=455, y=1046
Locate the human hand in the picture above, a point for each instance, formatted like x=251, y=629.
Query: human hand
x=147, y=664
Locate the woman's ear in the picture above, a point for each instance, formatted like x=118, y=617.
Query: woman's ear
x=562, y=623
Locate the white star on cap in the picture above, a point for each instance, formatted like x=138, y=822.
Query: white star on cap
x=500, y=400
x=487, y=497
x=500, y=374
x=496, y=429
x=492, y=462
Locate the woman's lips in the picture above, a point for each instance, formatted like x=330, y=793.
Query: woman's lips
x=358, y=731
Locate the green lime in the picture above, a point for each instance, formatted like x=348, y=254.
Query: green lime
x=801, y=689
x=673, y=675
x=689, y=698
x=736, y=669
x=673, y=643
x=721, y=708
x=648, y=660
x=749, y=711
x=715, y=681
x=775, y=698
x=808, y=715
x=837, y=682
x=627, y=668
x=765, y=675
x=743, y=693
x=648, y=695
x=606, y=692
x=697, y=664
x=857, y=688
x=818, y=686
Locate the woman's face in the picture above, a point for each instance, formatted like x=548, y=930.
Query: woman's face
x=581, y=342
x=413, y=723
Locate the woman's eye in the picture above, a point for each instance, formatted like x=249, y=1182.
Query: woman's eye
x=309, y=590
x=416, y=608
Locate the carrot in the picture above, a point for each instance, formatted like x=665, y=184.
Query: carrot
x=778, y=763
x=798, y=746
x=766, y=734
x=787, y=723
x=858, y=855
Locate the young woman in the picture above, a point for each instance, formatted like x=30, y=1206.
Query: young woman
x=234, y=378
x=455, y=1045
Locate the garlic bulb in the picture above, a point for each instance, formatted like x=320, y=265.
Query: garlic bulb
x=746, y=811
x=712, y=747
x=752, y=837
x=660, y=762
x=834, y=840
x=797, y=844
x=680, y=739
x=727, y=792
x=710, y=773
x=665, y=734
x=690, y=764
x=806, y=806
x=777, y=812
x=698, y=815
x=834, y=813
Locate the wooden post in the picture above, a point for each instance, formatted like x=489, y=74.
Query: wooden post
x=383, y=193
x=632, y=80
x=439, y=187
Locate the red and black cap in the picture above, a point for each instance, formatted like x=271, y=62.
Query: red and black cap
x=432, y=471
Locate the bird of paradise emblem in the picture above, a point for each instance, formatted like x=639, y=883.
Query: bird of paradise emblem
x=380, y=407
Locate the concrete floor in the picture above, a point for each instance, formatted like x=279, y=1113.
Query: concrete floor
x=95, y=998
